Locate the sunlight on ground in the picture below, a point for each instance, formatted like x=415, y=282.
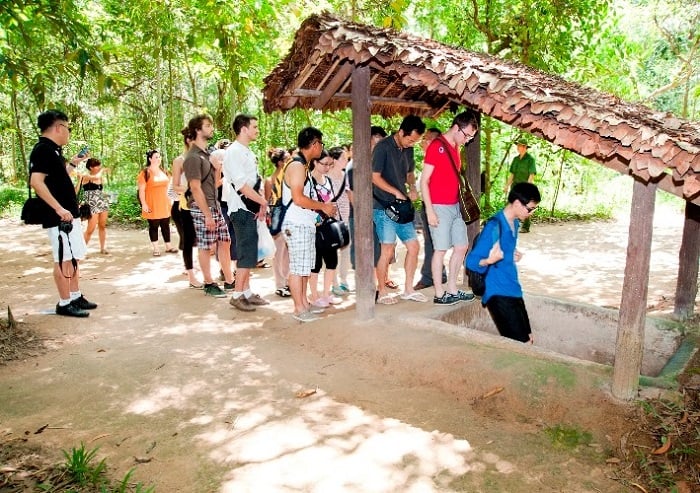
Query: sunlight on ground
x=266, y=439
x=328, y=446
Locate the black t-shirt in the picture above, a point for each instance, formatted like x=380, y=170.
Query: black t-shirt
x=47, y=158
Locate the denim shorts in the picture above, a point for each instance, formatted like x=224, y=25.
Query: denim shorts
x=388, y=230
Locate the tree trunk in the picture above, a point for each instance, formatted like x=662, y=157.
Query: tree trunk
x=629, y=347
x=362, y=194
x=687, y=283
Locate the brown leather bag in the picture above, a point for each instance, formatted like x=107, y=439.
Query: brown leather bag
x=468, y=205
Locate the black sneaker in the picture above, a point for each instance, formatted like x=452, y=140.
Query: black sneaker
x=83, y=303
x=446, y=299
x=229, y=286
x=70, y=310
x=464, y=296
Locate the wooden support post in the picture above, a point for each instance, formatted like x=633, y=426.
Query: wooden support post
x=362, y=194
x=629, y=347
x=473, y=173
x=687, y=284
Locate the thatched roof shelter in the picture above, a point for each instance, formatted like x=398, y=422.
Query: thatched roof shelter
x=409, y=74
x=336, y=64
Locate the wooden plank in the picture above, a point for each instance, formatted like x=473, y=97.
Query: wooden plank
x=362, y=194
x=629, y=346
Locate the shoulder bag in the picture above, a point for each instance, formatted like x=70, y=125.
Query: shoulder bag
x=468, y=205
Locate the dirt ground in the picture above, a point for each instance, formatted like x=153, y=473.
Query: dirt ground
x=199, y=397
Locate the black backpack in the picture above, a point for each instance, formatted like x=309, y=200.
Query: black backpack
x=477, y=280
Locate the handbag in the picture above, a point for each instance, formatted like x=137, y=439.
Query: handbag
x=400, y=211
x=250, y=204
x=83, y=207
x=34, y=210
x=468, y=205
x=331, y=233
x=276, y=215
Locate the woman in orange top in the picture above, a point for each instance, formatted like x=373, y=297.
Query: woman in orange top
x=155, y=204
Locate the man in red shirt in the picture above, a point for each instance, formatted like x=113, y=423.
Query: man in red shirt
x=440, y=189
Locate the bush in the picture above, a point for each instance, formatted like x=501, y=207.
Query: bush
x=126, y=209
x=11, y=200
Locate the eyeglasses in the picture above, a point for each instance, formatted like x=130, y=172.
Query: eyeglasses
x=68, y=127
x=319, y=142
x=530, y=210
x=466, y=135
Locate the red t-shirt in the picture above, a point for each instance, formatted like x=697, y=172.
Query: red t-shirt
x=443, y=185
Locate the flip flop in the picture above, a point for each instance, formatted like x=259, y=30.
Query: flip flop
x=156, y=253
x=391, y=284
x=171, y=250
x=197, y=286
x=415, y=296
x=387, y=299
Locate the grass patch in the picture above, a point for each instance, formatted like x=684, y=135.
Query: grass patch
x=567, y=437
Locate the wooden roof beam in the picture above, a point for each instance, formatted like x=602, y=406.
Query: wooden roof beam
x=340, y=77
x=309, y=93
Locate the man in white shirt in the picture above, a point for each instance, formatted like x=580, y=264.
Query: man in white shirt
x=246, y=206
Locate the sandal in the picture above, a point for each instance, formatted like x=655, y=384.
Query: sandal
x=171, y=250
x=156, y=253
x=386, y=299
x=196, y=286
x=414, y=296
x=391, y=284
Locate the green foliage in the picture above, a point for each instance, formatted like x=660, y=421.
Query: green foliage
x=79, y=466
x=567, y=437
x=126, y=209
x=11, y=199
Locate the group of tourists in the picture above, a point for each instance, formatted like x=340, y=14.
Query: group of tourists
x=221, y=205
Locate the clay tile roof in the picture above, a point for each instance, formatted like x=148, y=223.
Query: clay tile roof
x=409, y=74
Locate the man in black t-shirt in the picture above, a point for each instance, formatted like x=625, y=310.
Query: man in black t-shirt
x=50, y=179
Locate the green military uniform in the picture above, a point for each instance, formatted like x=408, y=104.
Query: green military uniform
x=522, y=168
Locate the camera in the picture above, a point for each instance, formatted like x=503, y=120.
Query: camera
x=65, y=226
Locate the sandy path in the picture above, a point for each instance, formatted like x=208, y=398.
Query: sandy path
x=199, y=397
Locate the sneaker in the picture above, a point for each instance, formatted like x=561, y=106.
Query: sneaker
x=283, y=292
x=338, y=291
x=71, y=310
x=446, y=299
x=316, y=309
x=306, y=317
x=258, y=300
x=229, y=286
x=214, y=290
x=345, y=288
x=464, y=296
x=242, y=304
x=321, y=303
x=83, y=304
x=334, y=300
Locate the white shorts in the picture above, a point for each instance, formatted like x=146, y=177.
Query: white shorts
x=73, y=243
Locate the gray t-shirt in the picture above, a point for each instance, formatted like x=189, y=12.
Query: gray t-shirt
x=394, y=164
x=198, y=167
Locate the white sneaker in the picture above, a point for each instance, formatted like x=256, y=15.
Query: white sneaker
x=321, y=302
x=334, y=300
